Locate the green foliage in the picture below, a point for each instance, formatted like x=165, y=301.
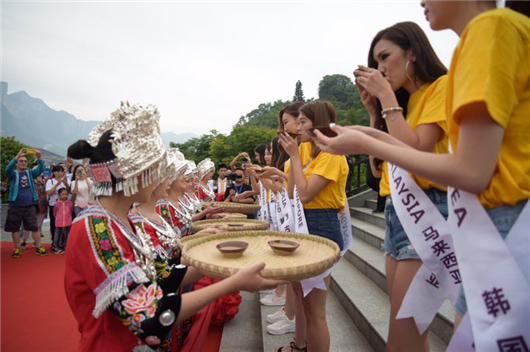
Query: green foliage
x=9, y=148
x=260, y=125
x=265, y=115
x=298, y=92
x=342, y=93
x=197, y=149
x=223, y=148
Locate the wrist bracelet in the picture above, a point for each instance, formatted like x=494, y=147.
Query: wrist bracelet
x=384, y=112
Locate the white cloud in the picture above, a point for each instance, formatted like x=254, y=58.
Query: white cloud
x=203, y=64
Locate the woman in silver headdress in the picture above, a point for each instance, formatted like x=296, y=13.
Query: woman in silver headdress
x=206, y=170
x=119, y=299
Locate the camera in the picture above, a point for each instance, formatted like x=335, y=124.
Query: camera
x=233, y=176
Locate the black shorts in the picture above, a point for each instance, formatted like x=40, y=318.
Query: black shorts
x=17, y=216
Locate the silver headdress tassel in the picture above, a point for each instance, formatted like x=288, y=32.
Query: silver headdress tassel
x=179, y=163
x=206, y=166
x=138, y=147
x=192, y=170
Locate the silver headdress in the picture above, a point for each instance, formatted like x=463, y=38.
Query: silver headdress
x=177, y=164
x=206, y=166
x=192, y=170
x=138, y=148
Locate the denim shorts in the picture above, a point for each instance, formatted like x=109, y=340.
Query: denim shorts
x=324, y=223
x=503, y=218
x=397, y=243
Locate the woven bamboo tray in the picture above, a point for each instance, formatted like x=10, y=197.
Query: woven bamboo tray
x=314, y=256
x=232, y=215
x=231, y=225
x=184, y=240
x=229, y=207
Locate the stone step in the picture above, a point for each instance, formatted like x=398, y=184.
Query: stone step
x=370, y=203
x=369, y=233
x=371, y=263
x=345, y=336
x=368, y=305
x=365, y=214
x=243, y=333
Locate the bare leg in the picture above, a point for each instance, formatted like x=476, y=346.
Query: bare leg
x=458, y=320
x=300, y=335
x=16, y=238
x=290, y=302
x=403, y=335
x=36, y=238
x=318, y=338
x=390, y=268
x=280, y=290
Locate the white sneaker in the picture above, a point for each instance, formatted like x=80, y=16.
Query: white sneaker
x=273, y=300
x=282, y=326
x=274, y=317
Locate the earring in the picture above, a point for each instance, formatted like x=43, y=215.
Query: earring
x=407, y=71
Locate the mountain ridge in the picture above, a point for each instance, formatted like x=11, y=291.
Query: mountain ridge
x=33, y=122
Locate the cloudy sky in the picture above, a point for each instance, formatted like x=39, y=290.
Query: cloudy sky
x=204, y=64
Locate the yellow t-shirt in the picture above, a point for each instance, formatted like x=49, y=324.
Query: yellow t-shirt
x=491, y=64
x=305, y=153
x=335, y=169
x=426, y=105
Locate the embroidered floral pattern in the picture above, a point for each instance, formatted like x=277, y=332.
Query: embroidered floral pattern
x=163, y=210
x=138, y=305
x=143, y=300
x=106, y=249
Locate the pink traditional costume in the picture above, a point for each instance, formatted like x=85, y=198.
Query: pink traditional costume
x=121, y=301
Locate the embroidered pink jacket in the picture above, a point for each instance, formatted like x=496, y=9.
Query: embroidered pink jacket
x=63, y=213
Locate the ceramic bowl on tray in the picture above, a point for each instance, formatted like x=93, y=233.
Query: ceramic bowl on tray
x=232, y=249
x=283, y=247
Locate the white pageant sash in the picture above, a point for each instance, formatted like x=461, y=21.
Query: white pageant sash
x=300, y=223
x=272, y=211
x=285, y=216
x=345, y=227
x=429, y=233
x=263, y=213
x=497, y=290
x=347, y=237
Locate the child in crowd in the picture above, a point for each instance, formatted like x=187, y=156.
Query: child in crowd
x=63, y=220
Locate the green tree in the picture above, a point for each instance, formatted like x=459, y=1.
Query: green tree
x=298, y=92
x=336, y=88
x=265, y=115
x=241, y=139
x=197, y=149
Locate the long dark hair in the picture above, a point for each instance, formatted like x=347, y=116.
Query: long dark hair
x=276, y=153
x=522, y=7
x=428, y=67
x=260, y=149
x=75, y=171
x=321, y=113
x=292, y=109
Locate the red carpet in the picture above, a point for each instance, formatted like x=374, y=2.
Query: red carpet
x=35, y=316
